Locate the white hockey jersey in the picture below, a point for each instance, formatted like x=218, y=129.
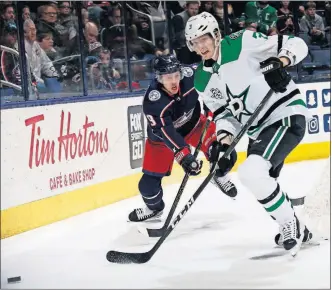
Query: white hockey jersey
x=234, y=86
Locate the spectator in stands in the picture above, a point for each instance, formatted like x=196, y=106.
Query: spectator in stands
x=174, y=7
x=262, y=13
x=9, y=36
x=111, y=16
x=152, y=8
x=94, y=50
x=285, y=25
x=328, y=13
x=95, y=12
x=115, y=15
x=8, y=13
x=143, y=27
x=114, y=35
x=313, y=24
x=244, y=22
x=46, y=42
x=104, y=76
x=206, y=6
x=138, y=48
x=91, y=32
x=145, y=24
x=272, y=31
x=179, y=22
x=301, y=11
x=47, y=22
x=91, y=43
x=39, y=62
x=218, y=13
x=26, y=13
x=285, y=10
x=141, y=21
x=105, y=59
x=67, y=19
x=9, y=62
x=85, y=16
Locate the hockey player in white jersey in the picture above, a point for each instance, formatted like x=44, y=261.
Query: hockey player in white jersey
x=231, y=82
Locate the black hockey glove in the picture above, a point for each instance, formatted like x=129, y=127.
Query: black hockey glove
x=188, y=162
x=275, y=74
x=216, y=152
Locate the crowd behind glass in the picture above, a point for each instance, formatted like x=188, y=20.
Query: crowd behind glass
x=83, y=48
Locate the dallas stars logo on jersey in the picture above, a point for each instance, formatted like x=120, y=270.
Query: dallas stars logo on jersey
x=236, y=104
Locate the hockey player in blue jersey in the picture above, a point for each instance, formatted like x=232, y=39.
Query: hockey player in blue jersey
x=175, y=123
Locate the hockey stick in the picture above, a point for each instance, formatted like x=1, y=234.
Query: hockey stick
x=297, y=201
x=159, y=232
x=139, y=258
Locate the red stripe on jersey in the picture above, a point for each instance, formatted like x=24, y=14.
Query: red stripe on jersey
x=169, y=139
x=163, y=111
x=188, y=92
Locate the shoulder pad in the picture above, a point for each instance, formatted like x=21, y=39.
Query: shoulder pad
x=154, y=95
x=187, y=71
x=237, y=34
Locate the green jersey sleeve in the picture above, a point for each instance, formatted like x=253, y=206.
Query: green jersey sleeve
x=202, y=78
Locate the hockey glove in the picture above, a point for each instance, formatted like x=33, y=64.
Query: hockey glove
x=216, y=152
x=275, y=74
x=188, y=162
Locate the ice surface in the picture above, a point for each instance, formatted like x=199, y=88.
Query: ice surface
x=219, y=244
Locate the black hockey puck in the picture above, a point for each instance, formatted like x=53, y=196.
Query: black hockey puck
x=14, y=279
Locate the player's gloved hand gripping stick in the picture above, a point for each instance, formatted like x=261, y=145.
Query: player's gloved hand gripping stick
x=159, y=232
x=139, y=258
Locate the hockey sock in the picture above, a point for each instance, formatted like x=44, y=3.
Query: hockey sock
x=277, y=204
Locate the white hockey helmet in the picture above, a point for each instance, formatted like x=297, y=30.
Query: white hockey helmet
x=199, y=25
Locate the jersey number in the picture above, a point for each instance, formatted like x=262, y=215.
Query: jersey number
x=259, y=35
x=151, y=120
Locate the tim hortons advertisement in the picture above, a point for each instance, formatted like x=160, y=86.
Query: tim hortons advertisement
x=49, y=150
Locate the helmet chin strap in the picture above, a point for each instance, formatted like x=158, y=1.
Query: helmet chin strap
x=216, y=48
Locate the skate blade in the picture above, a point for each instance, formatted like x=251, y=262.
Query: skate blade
x=295, y=251
x=231, y=197
x=155, y=219
x=149, y=221
x=280, y=251
x=311, y=243
x=305, y=246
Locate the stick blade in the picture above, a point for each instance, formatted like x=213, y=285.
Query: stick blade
x=155, y=233
x=127, y=258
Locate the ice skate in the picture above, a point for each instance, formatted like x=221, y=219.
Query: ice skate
x=307, y=238
x=292, y=235
x=144, y=214
x=225, y=185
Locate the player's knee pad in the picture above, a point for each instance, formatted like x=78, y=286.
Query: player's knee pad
x=254, y=174
x=151, y=191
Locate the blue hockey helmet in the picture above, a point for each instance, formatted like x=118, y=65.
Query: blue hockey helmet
x=166, y=64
